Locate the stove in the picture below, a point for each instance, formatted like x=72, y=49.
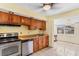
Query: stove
x=8, y=37
x=10, y=45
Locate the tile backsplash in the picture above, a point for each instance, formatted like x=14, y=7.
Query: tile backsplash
x=22, y=30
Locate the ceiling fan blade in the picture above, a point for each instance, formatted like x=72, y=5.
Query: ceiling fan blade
x=39, y=9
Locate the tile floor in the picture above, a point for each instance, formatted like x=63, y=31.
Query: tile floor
x=59, y=49
x=45, y=52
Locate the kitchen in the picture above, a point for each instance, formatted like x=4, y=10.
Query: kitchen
x=16, y=37
x=24, y=32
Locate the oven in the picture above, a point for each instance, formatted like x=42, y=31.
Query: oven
x=10, y=49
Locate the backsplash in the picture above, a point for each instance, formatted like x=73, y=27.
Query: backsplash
x=22, y=30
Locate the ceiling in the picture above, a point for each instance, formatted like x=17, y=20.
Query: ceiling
x=57, y=8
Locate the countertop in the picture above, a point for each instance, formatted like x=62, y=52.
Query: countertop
x=27, y=37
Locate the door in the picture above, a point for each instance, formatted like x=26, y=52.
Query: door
x=4, y=18
x=40, y=42
x=39, y=24
x=35, y=44
x=46, y=41
x=33, y=24
x=15, y=19
x=43, y=25
x=25, y=21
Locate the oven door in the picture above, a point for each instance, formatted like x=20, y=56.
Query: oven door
x=10, y=49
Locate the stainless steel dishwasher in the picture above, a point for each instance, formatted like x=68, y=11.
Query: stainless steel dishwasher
x=27, y=47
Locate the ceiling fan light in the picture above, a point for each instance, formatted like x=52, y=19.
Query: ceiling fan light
x=46, y=7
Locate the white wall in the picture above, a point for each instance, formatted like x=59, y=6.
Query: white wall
x=50, y=30
x=73, y=21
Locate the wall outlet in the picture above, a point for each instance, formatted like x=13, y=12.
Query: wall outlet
x=20, y=32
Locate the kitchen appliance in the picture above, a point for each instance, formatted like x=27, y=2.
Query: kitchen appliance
x=9, y=44
x=27, y=47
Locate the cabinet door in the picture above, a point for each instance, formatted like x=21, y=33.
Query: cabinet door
x=25, y=21
x=39, y=24
x=43, y=25
x=4, y=18
x=46, y=41
x=40, y=42
x=33, y=24
x=15, y=20
x=35, y=44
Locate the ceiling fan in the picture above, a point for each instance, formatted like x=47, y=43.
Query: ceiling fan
x=48, y=6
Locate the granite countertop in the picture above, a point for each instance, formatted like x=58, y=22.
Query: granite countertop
x=27, y=37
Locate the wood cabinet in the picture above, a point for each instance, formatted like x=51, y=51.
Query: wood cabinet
x=35, y=44
x=25, y=21
x=40, y=42
x=43, y=25
x=33, y=24
x=43, y=41
x=4, y=18
x=15, y=19
x=46, y=41
x=10, y=19
x=37, y=24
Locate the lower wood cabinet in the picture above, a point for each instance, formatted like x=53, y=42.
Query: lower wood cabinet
x=40, y=42
x=46, y=40
x=35, y=44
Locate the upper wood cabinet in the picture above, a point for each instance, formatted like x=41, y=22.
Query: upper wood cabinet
x=4, y=18
x=10, y=19
x=25, y=21
x=33, y=24
x=38, y=24
x=43, y=25
x=15, y=19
